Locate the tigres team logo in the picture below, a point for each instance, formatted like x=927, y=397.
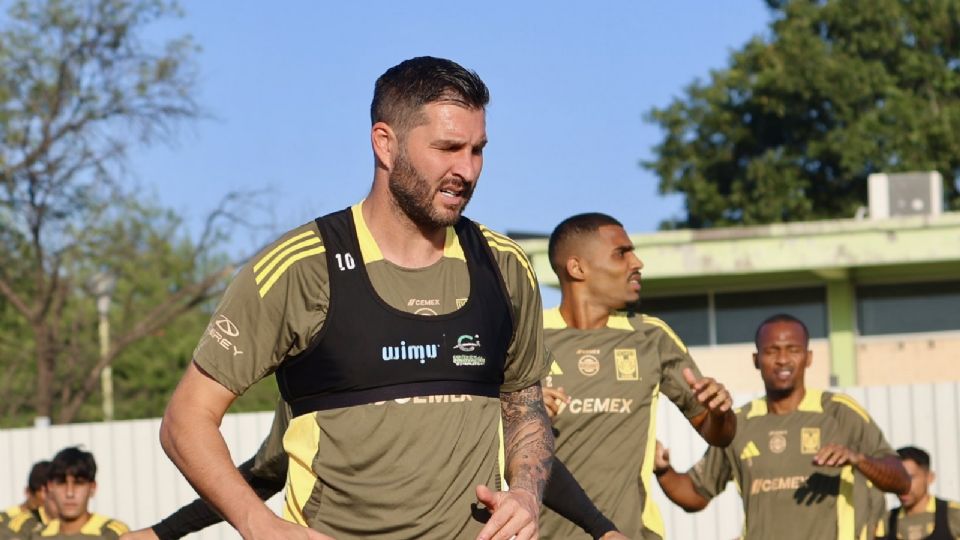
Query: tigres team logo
x=626, y=360
x=778, y=441
x=461, y=302
x=809, y=440
x=588, y=365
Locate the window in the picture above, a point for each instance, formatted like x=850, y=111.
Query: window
x=739, y=314
x=908, y=307
x=687, y=315
x=722, y=318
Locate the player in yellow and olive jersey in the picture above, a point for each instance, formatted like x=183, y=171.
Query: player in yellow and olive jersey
x=921, y=516
x=71, y=484
x=403, y=336
x=801, y=458
x=615, y=365
x=18, y=521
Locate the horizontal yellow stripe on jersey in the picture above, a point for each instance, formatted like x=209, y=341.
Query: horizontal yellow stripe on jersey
x=280, y=247
x=852, y=403
x=118, y=527
x=260, y=276
x=287, y=264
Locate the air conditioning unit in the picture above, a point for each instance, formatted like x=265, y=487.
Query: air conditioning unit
x=905, y=194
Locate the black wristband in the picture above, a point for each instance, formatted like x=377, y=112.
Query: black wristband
x=660, y=472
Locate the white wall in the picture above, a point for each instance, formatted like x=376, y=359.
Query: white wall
x=139, y=485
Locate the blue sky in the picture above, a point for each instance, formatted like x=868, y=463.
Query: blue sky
x=288, y=86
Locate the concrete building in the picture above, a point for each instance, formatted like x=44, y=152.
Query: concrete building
x=881, y=295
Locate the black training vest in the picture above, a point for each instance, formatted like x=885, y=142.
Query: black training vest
x=368, y=351
x=941, y=527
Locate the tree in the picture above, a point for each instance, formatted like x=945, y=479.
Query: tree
x=792, y=128
x=77, y=87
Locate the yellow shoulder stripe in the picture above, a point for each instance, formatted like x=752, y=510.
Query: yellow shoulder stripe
x=280, y=247
x=666, y=328
x=954, y=504
x=286, y=264
x=118, y=527
x=503, y=244
x=94, y=525
x=52, y=528
x=758, y=407
x=305, y=243
x=13, y=511
x=17, y=521
x=852, y=404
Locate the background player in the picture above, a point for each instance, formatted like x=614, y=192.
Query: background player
x=801, y=458
x=615, y=365
x=72, y=482
x=921, y=515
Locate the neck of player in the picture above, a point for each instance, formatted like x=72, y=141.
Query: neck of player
x=401, y=241
x=578, y=311
x=785, y=402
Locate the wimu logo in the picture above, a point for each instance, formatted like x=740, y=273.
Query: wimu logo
x=420, y=353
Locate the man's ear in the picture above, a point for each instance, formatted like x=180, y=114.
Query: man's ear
x=809, y=359
x=575, y=268
x=385, y=144
x=756, y=360
x=93, y=489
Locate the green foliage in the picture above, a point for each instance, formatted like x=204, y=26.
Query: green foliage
x=77, y=87
x=792, y=128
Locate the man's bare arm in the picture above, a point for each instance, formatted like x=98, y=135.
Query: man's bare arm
x=678, y=487
x=190, y=435
x=887, y=473
x=528, y=445
x=717, y=424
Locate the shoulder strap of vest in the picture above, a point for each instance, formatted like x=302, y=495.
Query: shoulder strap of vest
x=941, y=524
x=473, y=241
x=892, y=524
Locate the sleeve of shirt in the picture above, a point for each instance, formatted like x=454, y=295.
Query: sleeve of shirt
x=865, y=436
x=711, y=474
x=674, y=358
x=271, y=310
x=526, y=362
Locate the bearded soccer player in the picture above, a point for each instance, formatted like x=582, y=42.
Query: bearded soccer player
x=801, y=459
x=615, y=365
x=921, y=516
x=401, y=333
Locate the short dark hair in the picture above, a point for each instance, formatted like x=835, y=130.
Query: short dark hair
x=782, y=317
x=916, y=455
x=571, y=228
x=403, y=89
x=72, y=461
x=38, y=476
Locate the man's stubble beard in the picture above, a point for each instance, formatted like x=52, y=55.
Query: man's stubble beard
x=414, y=196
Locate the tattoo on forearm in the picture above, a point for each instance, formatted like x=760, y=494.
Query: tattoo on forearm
x=528, y=440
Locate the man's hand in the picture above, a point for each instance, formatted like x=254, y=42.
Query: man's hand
x=661, y=457
x=514, y=514
x=710, y=393
x=140, y=534
x=555, y=399
x=275, y=528
x=614, y=535
x=836, y=455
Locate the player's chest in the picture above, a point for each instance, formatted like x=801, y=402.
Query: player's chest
x=782, y=449
x=603, y=371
